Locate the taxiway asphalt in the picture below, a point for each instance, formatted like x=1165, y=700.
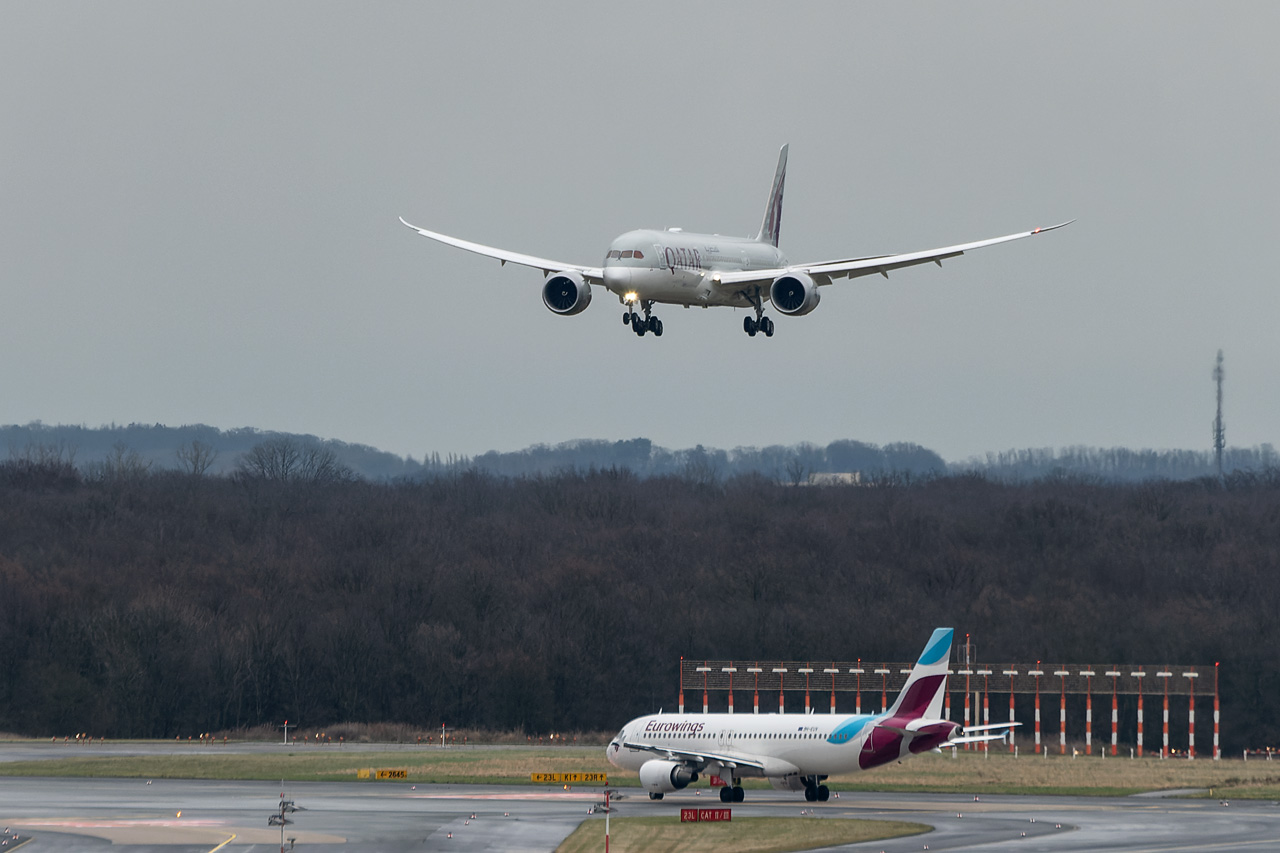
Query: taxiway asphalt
x=176, y=816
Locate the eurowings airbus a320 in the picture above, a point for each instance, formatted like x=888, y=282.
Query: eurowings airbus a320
x=795, y=752
x=645, y=268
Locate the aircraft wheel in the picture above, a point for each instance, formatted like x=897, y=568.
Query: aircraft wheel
x=766, y=326
x=738, y=794
x=824, y=793
x=658, y=329
x=654, y=796
x=726, y=794
x=810, y=794
x=749, y=326
x=651, y=323
x=626, y=318
x=639, y=327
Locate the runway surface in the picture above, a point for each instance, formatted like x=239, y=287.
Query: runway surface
x=91, y=814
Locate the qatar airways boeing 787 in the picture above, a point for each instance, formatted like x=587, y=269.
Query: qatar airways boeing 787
x=674, y=267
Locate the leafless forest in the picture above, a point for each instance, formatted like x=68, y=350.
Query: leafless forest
x=152, y=603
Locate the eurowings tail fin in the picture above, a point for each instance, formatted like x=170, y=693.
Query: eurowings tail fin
x=772, y=223
x=922, y=695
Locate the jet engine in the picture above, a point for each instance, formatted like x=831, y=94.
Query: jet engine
x=566, y=293
x=795, y=294
x=663, y=777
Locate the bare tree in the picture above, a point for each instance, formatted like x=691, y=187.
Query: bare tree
x=796, y=470
x=122, y=464
x=284, y=460
x=275, y=459
x=321, y=465
x=196, y=458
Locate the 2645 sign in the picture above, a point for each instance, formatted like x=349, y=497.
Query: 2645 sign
x=705, y=815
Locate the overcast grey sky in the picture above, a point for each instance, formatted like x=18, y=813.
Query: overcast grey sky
x=198, y=209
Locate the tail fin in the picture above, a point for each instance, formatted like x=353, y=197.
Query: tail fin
x=772, y=223
x=922, y=695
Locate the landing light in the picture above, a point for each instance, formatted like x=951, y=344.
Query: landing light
x=631, y=297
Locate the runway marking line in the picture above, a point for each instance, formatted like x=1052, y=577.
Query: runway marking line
x=224, y=844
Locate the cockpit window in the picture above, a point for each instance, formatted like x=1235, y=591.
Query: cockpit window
x=639, y=254
x=628, y=253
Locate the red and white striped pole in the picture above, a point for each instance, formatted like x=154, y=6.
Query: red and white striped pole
x=782, y=676
x=1115, y=713
x=1139, y=676
x=1062, y=714
x=857, y=696
x=986, y=708
x=755, y=696
x=833, y=672
x=1191, y=714
x=1164, y=743
x=966, y=705
x=706, y=706
x=731, y=669
x=1088, y=711
x=1037, y=673
x=1011, y=673
x=681, y=684
x=1216, y=752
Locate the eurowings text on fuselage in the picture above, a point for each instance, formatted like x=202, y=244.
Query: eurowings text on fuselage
x=646, y=267
x=795, y=752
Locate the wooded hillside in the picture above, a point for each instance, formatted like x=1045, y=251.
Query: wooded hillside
x=141, y=603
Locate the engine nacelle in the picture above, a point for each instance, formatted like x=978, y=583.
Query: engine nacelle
x=794, y=294
x=566, y=293
x=663, y=777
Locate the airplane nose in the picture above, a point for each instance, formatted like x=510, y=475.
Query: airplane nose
x=617, y=278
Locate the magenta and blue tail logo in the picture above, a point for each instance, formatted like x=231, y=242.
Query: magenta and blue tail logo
x=938, y=647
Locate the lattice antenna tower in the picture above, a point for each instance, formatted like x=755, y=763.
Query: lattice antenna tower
x=1219, y=428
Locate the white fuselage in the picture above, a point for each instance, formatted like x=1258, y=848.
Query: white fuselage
x=785, y=744
x=678, y=268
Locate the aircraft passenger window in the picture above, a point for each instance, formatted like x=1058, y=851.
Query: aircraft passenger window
x=639, y=254
x=628, y=253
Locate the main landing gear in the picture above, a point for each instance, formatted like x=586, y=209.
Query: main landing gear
x=751, y=326
x=640, y=325
x=732, y=793
x=759, y=323
x=814, y=792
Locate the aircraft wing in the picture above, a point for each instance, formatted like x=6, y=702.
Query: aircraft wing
x=824, y=271
x=692, y=755
x=595, y=275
